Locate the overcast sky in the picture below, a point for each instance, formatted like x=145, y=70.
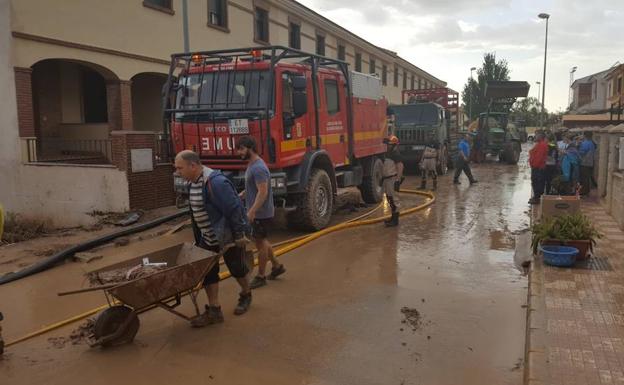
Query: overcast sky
x=447, y=37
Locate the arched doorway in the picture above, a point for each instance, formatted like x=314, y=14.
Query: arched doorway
x=147, y=101
x=71, y=110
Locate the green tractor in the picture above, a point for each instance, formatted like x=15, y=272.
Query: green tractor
x=495, y=134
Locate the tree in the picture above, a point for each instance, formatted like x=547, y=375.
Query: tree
x=527, y=110
x=491, y=69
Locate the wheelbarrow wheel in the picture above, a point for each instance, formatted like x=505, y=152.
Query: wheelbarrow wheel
x=110, y=320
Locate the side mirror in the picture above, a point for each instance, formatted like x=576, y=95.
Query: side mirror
x=299, y=83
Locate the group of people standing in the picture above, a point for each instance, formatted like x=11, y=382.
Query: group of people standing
x=561, y=164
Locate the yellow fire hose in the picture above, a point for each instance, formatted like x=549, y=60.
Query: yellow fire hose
x=291, y=244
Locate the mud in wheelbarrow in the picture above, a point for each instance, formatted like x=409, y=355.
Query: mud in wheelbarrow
x=186, y=268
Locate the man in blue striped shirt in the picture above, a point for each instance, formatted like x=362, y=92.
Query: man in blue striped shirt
x=219, y=220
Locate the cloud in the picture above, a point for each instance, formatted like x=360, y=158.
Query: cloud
x=447, y=37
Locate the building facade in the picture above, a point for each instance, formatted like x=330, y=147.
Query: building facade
x=590, y=93
x=615, y=78
x=83, y=82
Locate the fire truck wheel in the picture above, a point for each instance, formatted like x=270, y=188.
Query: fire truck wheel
x=315, y=206
x=371, y=185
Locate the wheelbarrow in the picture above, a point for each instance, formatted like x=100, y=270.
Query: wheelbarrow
x=186, y=267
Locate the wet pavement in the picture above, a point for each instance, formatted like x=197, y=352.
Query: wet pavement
x=436, y=301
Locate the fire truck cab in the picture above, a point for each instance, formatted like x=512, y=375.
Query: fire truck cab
x=317, y=125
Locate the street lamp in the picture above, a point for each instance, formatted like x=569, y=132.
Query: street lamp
x=544, y=16
x=570, y=92
x=470, y=96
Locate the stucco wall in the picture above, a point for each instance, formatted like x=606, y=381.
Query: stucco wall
x=9, y=136
x=617, y=205
x=82, y=23
x=66, y=194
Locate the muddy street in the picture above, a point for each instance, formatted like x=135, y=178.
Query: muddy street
x=437, y=300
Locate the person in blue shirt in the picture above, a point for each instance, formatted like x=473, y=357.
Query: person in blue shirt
x=570, y=164
x=587, y=149
x=462, y=163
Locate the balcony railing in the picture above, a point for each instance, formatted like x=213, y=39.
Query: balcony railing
x=77, y=151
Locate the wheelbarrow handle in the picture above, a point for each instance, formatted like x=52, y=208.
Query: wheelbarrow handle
x=88, y=289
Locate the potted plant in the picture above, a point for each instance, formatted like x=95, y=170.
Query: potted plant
x=575, y=230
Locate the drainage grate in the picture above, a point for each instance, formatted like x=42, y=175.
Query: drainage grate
x=594, y=263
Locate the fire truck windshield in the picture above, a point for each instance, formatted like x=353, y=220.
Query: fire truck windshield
x=222, y=94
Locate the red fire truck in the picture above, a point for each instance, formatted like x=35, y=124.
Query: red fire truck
x=318, y=126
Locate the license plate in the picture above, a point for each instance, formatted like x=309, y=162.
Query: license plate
x=417, y=148
x=239, y=126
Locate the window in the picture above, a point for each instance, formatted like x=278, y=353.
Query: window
x=372, y=68
x=384, y=75
x=294, y=36
x=262, y=25
x=419, y=83
x=342, y=55
x=226, y=89
x=217, y=13
x=320, y=45
x=404, y=80
x=159, y=5
x=396, y=76
x=331, y=96
x=358, y=62
x=413, y=80
x=619, y=85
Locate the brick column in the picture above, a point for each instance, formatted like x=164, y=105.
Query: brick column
x=23, y=93
x=119, y=104
x=147, y=189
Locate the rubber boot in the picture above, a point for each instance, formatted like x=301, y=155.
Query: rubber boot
x=423, y=184
x=393, y=221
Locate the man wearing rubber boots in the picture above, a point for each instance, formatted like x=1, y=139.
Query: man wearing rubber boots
x=392, y=177
x=219, y=225
x=428, y=165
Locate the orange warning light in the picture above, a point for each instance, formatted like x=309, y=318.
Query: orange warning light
x=196, y=59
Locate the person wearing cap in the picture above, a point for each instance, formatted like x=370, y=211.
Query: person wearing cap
x=392, y=177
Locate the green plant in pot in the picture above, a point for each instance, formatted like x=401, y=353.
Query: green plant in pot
x=574, y=230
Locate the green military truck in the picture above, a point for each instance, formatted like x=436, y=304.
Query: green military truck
x=427, y=116
x=418, y=124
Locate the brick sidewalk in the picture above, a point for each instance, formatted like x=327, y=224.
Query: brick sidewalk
x=576, y=316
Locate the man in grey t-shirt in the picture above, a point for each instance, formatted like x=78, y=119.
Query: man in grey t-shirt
x=260, y=210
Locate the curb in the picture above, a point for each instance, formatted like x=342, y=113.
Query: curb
x=535, y=370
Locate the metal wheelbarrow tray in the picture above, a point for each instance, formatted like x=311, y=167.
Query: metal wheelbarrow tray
x=187, y=266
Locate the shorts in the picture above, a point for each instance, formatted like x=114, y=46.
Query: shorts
x=235, y=261
x=259, y=228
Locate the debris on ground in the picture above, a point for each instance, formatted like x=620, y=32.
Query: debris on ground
x=87, y=257
x=131, y=218
x=123, y=274
x=18, y=229
x=80, y=335
x=412, y=317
